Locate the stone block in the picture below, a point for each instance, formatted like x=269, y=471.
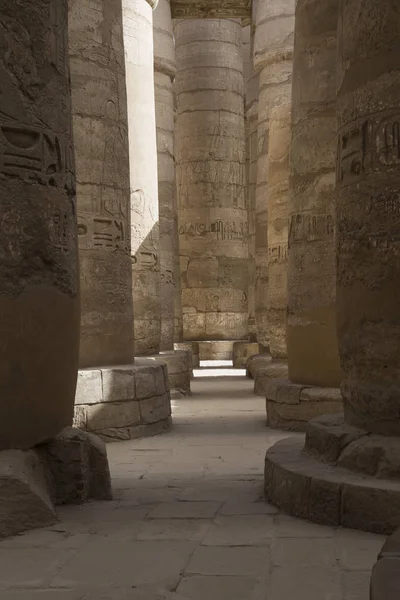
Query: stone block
x=385, y=580
x=155, y=409
x=89, y=387
x=218, y=350
x=264, y=373
x=146, y=384
x=80, y=417
x=256, y=362
x=112, y=414
x=180, y=382
x=373, y=455
x=25, y=501
x=242, y=351
x=392, y=545
x=118, y=383
x=295, y=417
x=318, y=394
x=78, y=467
x=326, y=437
x=283, y=391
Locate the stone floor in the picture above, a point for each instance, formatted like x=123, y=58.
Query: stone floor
x=188, y=521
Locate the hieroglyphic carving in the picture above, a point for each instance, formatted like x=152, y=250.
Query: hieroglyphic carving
x=98, y=232
x=278, y=253
x=308, y=227
x=220, y=230
x=211, y=9
x=58, y=41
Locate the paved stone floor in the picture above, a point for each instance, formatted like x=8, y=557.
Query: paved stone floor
x=188, y=522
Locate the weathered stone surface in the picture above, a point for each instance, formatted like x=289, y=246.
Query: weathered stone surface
x=39, y=292
x=78, y=466
x=145, y=250
x=193, y=348
x=25, y=502
x=230, y=9
x=295, y=417
x=153, y=410
x=222, y=350
x=210, y=160
x=100, y=124
x=374, y=455
x=164, y=73
x=255, y=364
x=368, y=269
x=302, y=486
x=89, y=387
x=179, y=368
x=273, y=48
x=385, y=579
x=276, y=369
x=313, y=354
x=391, y=546
x=328, y=435
x=242, y=351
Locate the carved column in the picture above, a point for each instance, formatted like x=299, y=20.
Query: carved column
x=368, y=219
x=164, y=73
x=210, y=172
x=273, y=50
x=102, y=166
x=39, y=292
x=312, y=341
x=139, y=64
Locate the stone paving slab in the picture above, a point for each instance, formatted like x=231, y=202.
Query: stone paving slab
x=188, y=522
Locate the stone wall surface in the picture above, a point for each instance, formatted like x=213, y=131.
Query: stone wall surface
x=312, y=342
x=212, y=209
x=125, y=402
x=273, y=50
x=215, y=9
x=100, y=128
x=145, y=251
x=164, y=73
x=39, y=291
x=368, y=215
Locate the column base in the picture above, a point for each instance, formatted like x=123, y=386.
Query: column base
x=192, y=347
x=216, y=350
x=179, y=366
x=69, y=469
x=290, y=406
x=385, y=579
x=256, y=363
x=241, y=353
x=276, y=368
x=342, y=476
x=124, y=402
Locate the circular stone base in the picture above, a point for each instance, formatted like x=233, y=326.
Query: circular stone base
x=241, y=353
x=192, y=347
x=256, y=363
x=179, y=366
x=275, y=369
x=341, y=477
x=291, y=406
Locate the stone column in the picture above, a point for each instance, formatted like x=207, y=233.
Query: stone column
x=116, y=398
x=273, y=50
x=312, y=342
x=39, y=291
x=164, y=73
x=360, y=487
x=102, y=166
x=139, y=64
x=213, y=226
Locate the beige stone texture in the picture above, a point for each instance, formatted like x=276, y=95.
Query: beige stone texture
x=241, y=352
x=251, y=80
x=368, y=269
x=164, y=73
x=145, y=250
x=179, y=368
x=212, y=208
x=39, y=291
x=273, y=50
x=114, y=402
x=193, y=348
x=222, y=350
x=312, y=342
x=278, y=200
x=195, y=9
x=100, y=128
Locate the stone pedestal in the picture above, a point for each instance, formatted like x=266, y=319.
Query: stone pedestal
x=273, y=49
x=39, y=291
x=193, y=348
x=164, y=73
x=385, y=579
x=212, y=210
x=216, y=350
x=126, y=402
x=348, y=473
x=102, y=165
x=145, y=251
x=241, y=352
x=179, y=369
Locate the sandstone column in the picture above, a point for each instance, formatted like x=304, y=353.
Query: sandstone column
x=39, y=292
x=164, y=73
x=213, y=223
x=102, y=165
x=312, y=341
x=273, y=50
x=139, y=64
x=360, y=487
x=368, y=219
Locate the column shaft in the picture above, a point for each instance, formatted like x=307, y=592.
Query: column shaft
x=368, y=214
x=139, y=64
x=102, y=166
x=213, y=225
x=39, y=292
